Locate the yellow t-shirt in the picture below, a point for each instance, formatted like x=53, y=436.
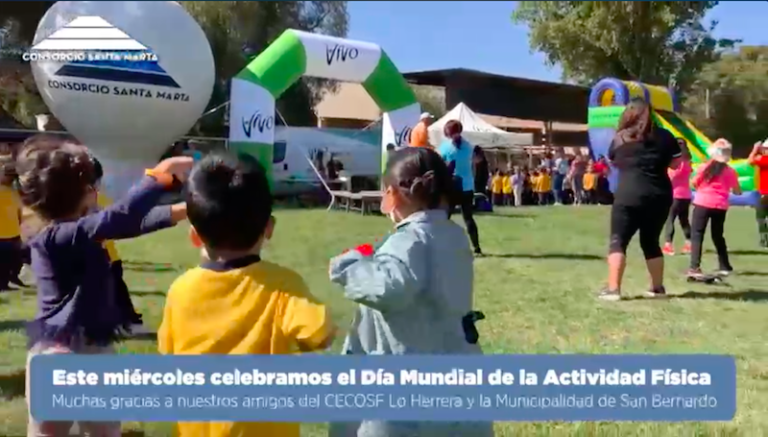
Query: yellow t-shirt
x=497, y=185
x=507, y=182
x=543, y=183
x=10, y=210
x=103, y=202
x=259, y=308
x=590, y=181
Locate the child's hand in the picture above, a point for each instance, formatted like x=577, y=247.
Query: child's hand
x=178, y=167
x=178, y=212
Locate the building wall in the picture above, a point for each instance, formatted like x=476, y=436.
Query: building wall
x=493, y=96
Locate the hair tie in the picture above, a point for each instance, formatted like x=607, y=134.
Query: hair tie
x=422, y=180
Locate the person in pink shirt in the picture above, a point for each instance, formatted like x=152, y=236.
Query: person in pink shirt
x=680, y=177
x=713, y=182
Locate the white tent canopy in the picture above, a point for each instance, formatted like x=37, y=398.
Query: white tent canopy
x=478, y=131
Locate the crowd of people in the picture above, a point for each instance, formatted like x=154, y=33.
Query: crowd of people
x=566, y=180
x=413, y=289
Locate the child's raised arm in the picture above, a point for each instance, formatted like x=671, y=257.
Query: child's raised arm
x=124, y=219
x=163, y=217
x=388, y=279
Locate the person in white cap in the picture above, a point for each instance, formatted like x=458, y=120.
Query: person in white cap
x=713, y=182
x=420, y=132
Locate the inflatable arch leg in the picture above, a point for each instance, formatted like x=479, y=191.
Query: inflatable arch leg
x=295, y=54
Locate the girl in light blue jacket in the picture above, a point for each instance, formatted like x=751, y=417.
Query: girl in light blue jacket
x=415, y=290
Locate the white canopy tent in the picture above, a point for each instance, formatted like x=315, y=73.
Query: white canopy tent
x=479, y=132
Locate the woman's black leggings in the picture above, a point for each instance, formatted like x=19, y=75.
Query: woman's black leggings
x=699, y=219
x=647, y=220
x=679, y=211
x=466, y=201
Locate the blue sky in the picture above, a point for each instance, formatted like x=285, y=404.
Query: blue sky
x=422, y=35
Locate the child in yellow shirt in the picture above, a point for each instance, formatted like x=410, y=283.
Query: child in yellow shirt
x=497, y=188
x=506, y=188
x=235, y=302
x=543, y=186
x=11, y=251
x=590, y=185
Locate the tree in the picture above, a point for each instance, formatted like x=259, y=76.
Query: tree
x=662, y=43
x=26, y=15
x=431, y=99
x=240, y=30
x=19, y=99
x=729, y=98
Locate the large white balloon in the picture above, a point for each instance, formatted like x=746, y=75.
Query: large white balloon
x=128, y=113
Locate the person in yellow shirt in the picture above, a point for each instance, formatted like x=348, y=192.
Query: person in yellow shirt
x=235, y=302
x=543, y=186
x=11, y=249
x=507, y=188
x=590, y=185
x=497, y=188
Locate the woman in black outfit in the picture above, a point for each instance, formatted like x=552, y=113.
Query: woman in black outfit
x=642, y=153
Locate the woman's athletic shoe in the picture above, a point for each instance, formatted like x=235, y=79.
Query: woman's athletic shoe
x=658, y=292
x=668, y=249
x=724, y=272
x=609, y=295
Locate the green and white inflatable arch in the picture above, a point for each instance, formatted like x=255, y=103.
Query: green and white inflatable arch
x=295, y=54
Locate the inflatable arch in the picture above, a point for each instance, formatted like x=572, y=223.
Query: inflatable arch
x=295, y=54
x=607, y=101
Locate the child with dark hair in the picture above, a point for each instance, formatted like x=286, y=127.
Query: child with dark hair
x=77, y=310
x=415, y=290
x=714, y=181
x=235, y=302
x=133, y=320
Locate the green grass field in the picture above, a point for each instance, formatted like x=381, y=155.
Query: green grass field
x=536, y=288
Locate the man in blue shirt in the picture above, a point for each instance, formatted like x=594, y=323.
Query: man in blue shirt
x=457, y=152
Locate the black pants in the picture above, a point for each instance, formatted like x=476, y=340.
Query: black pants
x=699, y=219
x=466, y=200
x=13, y=255
x=761, y=215
x=647, y=220
x=679, y=212
x=123, y=295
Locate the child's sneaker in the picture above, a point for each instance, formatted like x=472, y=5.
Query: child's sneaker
x=17, y=282
x=609, y=295
x=668, y=249
x=27, y=276
x=687, y=248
